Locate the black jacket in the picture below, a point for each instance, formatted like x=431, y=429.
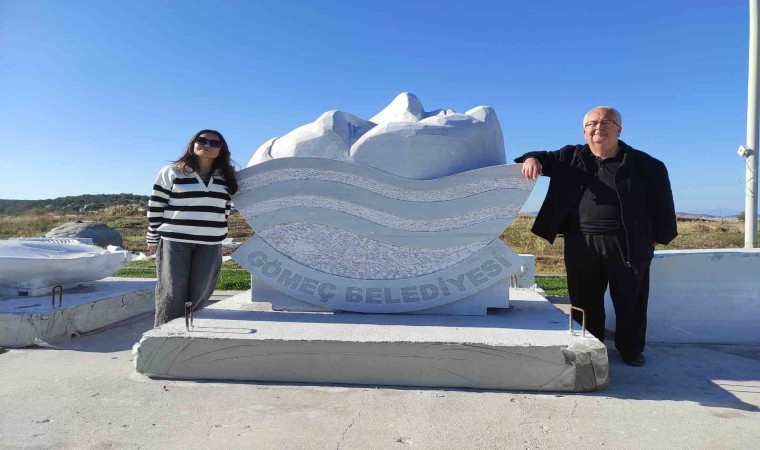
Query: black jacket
x=643, y=187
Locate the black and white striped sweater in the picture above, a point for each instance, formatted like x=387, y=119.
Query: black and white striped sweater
x=183, y=208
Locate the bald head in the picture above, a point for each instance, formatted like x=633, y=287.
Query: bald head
x=601, y=129
x=607, y=109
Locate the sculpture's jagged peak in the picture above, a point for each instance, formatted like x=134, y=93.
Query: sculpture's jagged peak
x=406, y=107
x=402, y=139
x=330, y=136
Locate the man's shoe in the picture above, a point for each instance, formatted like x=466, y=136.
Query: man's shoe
x=635, y=361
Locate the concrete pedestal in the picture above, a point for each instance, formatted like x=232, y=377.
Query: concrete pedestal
x=527, y=347
x=27, y=321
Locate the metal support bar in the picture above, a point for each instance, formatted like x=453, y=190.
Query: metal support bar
x=583, y=320
x=59, y=288
x=188, y=315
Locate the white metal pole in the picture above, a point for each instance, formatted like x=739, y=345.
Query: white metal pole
x=750, y=200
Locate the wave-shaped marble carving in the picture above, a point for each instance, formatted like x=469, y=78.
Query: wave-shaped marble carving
x=400, y=213
x=334, y=240
x=313, y=244
x=482, y=183
x=32, y=266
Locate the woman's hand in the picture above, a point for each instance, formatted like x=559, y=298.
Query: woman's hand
x=531, y=168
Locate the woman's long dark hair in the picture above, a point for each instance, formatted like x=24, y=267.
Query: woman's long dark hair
x=222, y=163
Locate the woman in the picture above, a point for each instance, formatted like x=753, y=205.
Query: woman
x=187, y=221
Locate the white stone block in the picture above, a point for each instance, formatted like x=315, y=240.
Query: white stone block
x=702, y=296
x=528, y=347
x=525, y=277
x=32, y=266
x=27, y=321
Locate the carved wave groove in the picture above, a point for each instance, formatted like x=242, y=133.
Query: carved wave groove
x=313, y=245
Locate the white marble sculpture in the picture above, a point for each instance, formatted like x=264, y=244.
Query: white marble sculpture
x=402, y=139
x=397, y=214
x=400, y=213
x=32, y=266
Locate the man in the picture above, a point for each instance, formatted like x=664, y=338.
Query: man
x=612, y=203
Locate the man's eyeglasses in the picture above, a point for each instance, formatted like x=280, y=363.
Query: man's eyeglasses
x=604, y=123
x=209, y=142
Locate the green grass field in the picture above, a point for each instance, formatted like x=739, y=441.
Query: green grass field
x=239, y=279
x=232, y=277
x=131, y=223
x=554, y=286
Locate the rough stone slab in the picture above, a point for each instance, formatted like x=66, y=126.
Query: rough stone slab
x=101, y=234
x=27, y=321
x=527, y=347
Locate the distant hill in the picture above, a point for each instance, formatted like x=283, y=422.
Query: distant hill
x=712, y=212
x=680, y=215
x=698, y=216
x=69, y=205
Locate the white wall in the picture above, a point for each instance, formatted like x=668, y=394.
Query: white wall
x=703, y=296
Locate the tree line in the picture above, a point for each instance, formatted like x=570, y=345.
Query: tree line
x=70, y=205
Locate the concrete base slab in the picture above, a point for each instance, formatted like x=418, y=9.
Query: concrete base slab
x=527, y=347
x=27, y=321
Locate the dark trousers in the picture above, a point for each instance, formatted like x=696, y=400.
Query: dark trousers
x=594, y=261
x=186, y=273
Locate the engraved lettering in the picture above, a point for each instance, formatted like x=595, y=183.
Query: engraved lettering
x=373, y=295
x=409, y=294
x=503, y=260
x=272, y=269
x=491, y=268
x=322, y=291
x=286, y=280
x=476, y=277
x=459, y=282
x=444, y=288
x=354, y=294
x=257, y=258
x=389, y=296
x=308, y=285
x=429, y=291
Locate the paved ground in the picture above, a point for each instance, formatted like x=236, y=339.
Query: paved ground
x=85, y=394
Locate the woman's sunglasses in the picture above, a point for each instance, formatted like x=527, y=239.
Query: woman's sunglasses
x=209, y=142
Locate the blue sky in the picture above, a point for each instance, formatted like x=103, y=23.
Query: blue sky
x=96, y=96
